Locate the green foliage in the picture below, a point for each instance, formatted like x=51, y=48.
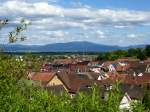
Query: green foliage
x=89, y=102
x=137, y=106
x=113, y=100
x=104, y=56
x=147, y=50
x=111, y=55
x=32, y=61
x=15, y=35
x=131, y=52
x=146, y=99
x=21, y=95
x=138, y=53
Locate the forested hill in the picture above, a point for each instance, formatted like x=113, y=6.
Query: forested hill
x=65, y=47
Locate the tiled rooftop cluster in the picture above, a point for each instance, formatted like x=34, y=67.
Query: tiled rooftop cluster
x=73, y=76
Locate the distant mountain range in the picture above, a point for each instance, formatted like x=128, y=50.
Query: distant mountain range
x=82, y=46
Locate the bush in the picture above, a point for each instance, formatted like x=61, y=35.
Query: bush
x=20, y=95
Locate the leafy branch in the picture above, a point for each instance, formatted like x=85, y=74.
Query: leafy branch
x=15, y=35
x=3, y=23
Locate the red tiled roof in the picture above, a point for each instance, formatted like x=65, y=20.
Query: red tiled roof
x=128, y=79
x=115, y=76
x=107, y=63
x=147, y=61
x=127, y=59
x=71, y=81
x=122, y=68
x=63, y=61
x=95, y=62
x=43, y=76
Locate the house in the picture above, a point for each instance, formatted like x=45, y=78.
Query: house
x=88, y=75
x=127, y=59
x=130, y=93
x=125, y=102
x=79, y=67
x=122, y=67
x=147, y=61
x=46, y=67
x=107, y=63
x=137, y=68
x=135, y=92
x=71, y=82
x=95, y=63
x=63, y=61
x=111, y=68
x=142, y=81
x=61, y=81
x=95, y=69
x=43, y=77
x=147, y=68
x=124, y=59
x=92, y=75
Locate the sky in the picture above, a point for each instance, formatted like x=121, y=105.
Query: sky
x=108, y=22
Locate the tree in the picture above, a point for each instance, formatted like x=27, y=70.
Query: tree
x=132, y=52
x=100, y=57
x=137, y=106
x=3, y=23
x=147, y=50
x=113, y=100
x=15, y=35
x=140, y=54
x=146, y=100
x=120, y=53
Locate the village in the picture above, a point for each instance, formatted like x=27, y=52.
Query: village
x=74, y=56
x=80, y=74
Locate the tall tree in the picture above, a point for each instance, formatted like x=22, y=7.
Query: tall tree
x=140, y=54
x=147, y=50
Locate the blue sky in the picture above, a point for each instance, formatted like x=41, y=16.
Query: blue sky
x=127, y=4
x=110, y=22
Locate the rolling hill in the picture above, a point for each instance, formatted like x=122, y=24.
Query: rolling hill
x=82, y=46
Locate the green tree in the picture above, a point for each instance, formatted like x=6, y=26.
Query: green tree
x=140, y=54
x=147, y=50
x=132, y=52
x=146, y=100
x=113, y=100
x=120, y=53
x=137, y=106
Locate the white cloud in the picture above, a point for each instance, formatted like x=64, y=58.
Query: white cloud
x=55, y=21
x=121, y=26
x=85, y=14
x=100, y=34
x=57, y=33
x=132, y=35
x=19, y=8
